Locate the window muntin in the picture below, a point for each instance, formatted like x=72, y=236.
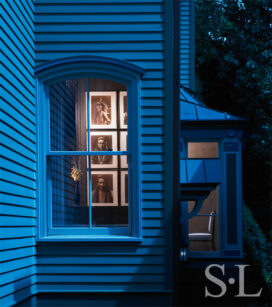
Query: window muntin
x=88, y=160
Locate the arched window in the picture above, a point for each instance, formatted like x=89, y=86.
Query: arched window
x=89, y=149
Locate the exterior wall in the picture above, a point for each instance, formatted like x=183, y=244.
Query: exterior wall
x=18, y=152
x=132, y=31
x=187, y=56
x=135, y=32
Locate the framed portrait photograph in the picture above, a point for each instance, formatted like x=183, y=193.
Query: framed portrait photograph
x=123, y=147
x=104, y=188
x=124, y=188
x=102, y=110
x=103, y=141
x=123, y=109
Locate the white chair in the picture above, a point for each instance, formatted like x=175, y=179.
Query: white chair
x=204, y=236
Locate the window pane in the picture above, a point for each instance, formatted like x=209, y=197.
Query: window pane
x=202, y=150
x=104, y=141
x=191, y=205
x=210, y=203
x=68, y=115
x=108, y=132
x=108, y=104
x=109, y=198
x=68, y=176
x=203, y=237
x=103, y=110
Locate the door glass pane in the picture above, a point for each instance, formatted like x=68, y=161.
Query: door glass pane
x=204, y=234
x=210, y=203
x=68, y=177
x=68, y=115
x=203, y=228
x=191, y=205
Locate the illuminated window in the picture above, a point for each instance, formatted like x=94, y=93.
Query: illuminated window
x=204, y=227
x=88, y=165
x=89, y=189
x=202, y=150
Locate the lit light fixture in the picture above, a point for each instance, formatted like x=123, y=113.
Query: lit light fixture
x=76, y=172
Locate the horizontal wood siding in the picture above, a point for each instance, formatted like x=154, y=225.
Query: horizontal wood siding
x=18, y=153
x=131, y=31
x=187, y=43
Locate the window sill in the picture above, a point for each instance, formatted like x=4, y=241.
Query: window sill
x=90, y=239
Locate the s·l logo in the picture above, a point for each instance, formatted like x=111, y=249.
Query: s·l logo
x=222, y=285
x=215, y=280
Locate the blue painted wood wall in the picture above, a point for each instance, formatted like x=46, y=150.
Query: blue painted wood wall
x=18, y=152
x=131, y=31
x=128, y=30
x=187, y=36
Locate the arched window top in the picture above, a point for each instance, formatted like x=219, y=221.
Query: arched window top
x=88, y=66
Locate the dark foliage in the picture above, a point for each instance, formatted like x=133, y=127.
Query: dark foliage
x=258, y=246
x=234, y=74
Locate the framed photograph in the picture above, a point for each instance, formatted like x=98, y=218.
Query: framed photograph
x=123, y=147
x=102, y=110
x=104, y=188
x=123, y=109
x=124, y=188
x=103, y=141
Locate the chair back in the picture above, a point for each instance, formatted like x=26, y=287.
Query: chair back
x=211, y=222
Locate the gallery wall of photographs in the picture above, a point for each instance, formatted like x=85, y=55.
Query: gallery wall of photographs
x=108, y=132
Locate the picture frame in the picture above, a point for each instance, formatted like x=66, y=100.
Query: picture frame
x=102, y=110
x=110, y=144
x=123, y=147
x=123, y=109
x=124, y=188
x=111, y=189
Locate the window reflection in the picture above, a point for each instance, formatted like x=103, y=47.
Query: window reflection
x=69, y=194
x=68, y=115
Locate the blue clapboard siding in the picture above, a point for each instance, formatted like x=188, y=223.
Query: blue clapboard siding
x=187, y=43
x=133, y=31
x=18, y=153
